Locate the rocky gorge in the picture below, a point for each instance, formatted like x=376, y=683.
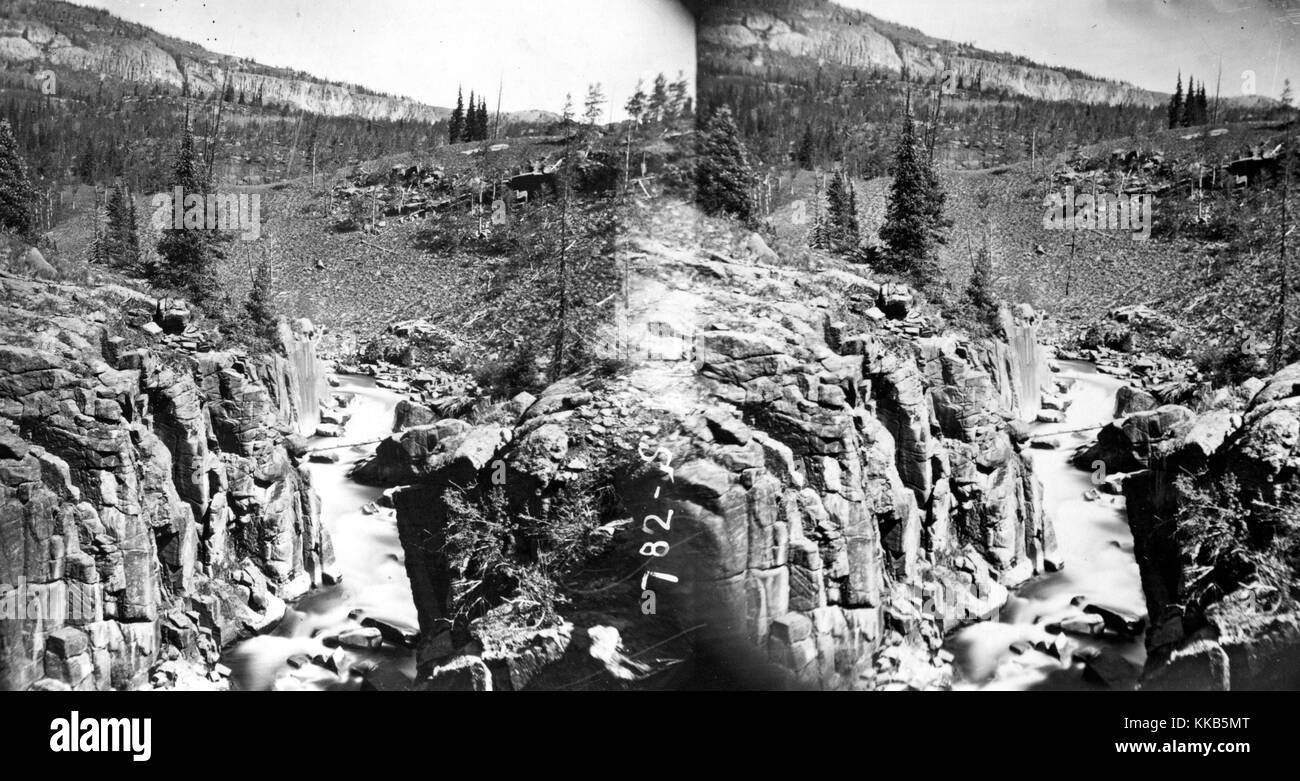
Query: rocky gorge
x=841, y=490
x=152, y=509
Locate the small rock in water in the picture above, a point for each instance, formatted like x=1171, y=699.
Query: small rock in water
x=329, y=430
x=1046, y=443
x=1021, y=647
x=1091, y=495
x=392, y=632
x=370, y=508
x=1050, y=416
x=331, y=575
x=1083, y=624
x=362, y=638
x=1117, y=620
x=334, y=661
x=324, y=457
x=298, y=660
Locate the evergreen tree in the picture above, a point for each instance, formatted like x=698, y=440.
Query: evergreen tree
x=592, y=106
x=120, y=241
x=1202, y=106
x=262, y=316
x=471, y=119
x=679, y=97
x=1286, y=96
x=188, y=253
x=842, y=233
x=980, y=299
x=16, y=191
x=723, y=175
x=807, y=153
x=636, y=105
x=817, y=234
x=913, y=212
x=566, y=114
x=456, y=125
x=659, y=101
x=1176, y=104
x=483, y=124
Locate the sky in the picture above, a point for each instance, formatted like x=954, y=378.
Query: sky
x=1144, y=42
x=537, y=50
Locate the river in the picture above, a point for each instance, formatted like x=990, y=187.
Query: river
x=369, y=557
x=1095, y=541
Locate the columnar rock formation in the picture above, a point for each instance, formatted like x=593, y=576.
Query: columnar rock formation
x=148, y=495
x=841, y=492
x=1238, y=634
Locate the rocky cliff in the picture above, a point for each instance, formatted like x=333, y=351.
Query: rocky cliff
x=839, y=488
x=819, y=31
x=1218, y=549
x=63, y=37
x=151, y=507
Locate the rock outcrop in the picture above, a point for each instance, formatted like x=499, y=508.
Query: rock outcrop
x=820, y=31
x=1220, y=619
x=840, y=493
x=148, y=501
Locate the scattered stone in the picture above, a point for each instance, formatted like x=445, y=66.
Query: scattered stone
x=1117, y=620
x=361, y=638
x=1050, y=416
x=324, y=457
x=329, y=430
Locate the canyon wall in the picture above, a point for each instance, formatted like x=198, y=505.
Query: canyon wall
x=1220, y=619
x=136, y=55
x=842, y=492
x=819, y=31
x=150, y=497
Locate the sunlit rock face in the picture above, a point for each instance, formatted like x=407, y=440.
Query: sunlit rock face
x=147, y=496
x=841, y=492
x=819, y=31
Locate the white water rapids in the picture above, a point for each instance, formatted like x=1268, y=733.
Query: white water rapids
x=1095, y=541
x=367, y=554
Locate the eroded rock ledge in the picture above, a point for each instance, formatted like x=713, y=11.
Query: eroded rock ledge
x=149, y=504
x=842, y=493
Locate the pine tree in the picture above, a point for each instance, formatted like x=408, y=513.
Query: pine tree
x=913, y=212
x=723, y=175
x=659, y=101
x=1176, y=104
x=592, y=106
x=483, y=123
x=817, y=234
x=471, y=119
x=120, y=242
x=807, y=152
x=636, y=105
x=1202, y=106
x=16, y=191
x=842, y=233
x=1286, y=96
x=260, y=306
x=188, y=253
x=456, y=126
x=566, y=114
x=980, y=299
x=679, y=97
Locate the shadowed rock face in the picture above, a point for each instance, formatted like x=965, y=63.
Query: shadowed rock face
x=826, y=503
x=1236, y=641
x=141, y=486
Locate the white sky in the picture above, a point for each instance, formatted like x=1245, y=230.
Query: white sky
x=1144, y=42
x=425, y=48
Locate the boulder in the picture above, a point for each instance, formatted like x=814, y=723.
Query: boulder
x=1129, y=399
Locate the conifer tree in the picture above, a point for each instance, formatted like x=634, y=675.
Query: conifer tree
x=260, y=306
x=807, y=152
x=842, y=233
x=1286, y=96
x=456, y=128
x=592, y=106
x=1176, y=104
x=679, y=96
x=636, y=105
x=120, y=240
x=16, y=191
x=723, y=174
x=566, y=114
x=659, y=101
x=471, y=119
x=1202, y=106
x=483, y=124
x=188, y=253
x=913, y=214
x=980, y=298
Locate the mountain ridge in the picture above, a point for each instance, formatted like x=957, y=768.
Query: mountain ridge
x=68, y=38
x=820, y=31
